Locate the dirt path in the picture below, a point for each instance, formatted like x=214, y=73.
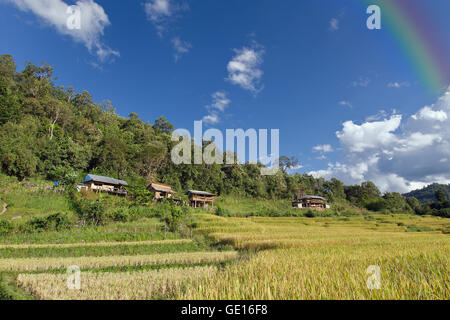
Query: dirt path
x=4, y=208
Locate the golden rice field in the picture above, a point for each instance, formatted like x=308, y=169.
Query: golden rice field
x=276, y=258
x=327, y=258
x=41, y=264
x=92, y=244
x=114, y=286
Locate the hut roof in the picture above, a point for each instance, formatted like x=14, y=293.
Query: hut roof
x=307, y=197
x=161, y=187
x=106, y=180
x=201, y=193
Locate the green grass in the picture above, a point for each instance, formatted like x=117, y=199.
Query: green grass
x=9, y=289
x=96, y=251
x=140, y=230
x=24, y=202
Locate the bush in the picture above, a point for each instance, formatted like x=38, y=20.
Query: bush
x=222, y=212
x=120, y=215
x=36, y=224
x=91, y=212
x=5, y=227
x=58, y=221
x=376, y=205
x=173, y=217
x=53, y=222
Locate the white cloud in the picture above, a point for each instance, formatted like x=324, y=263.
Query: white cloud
x=427, y=113
x=380, y=115
x=93, y=22
x=161, y=12
x=323, y=148
x=220, y=101
x=158, y=10
x=369, y=135
x=334, y=24
x=218, y=106
x=398, y=85
x=181, y=47
x=345, y=103
x=244, y=69
x=211, y=119
x=397, y=155
x=361, y=82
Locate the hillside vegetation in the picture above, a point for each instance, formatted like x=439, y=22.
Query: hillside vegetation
x=52, y=133
x=427, y=194
x=251, y=245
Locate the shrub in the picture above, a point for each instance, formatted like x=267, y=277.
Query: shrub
x=56, y=221
x=5, y=227
x=36, y=224
x=222, y=212
x=120, y=215
x=173, y=217
x=91, y=212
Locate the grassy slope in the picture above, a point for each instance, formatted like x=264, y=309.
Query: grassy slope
x=24, y=202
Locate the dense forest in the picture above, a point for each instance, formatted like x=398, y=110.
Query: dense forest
x=59, y=134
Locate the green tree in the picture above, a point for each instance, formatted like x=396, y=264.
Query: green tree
x=163, y=126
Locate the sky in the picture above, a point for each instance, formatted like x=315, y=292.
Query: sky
x=349, y=102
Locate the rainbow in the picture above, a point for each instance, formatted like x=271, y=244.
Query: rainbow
x=419, y=38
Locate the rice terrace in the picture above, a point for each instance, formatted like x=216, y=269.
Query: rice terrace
x=224, y=159
x=216, y=254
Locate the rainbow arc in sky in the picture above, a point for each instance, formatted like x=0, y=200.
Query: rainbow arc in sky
x=421, y=40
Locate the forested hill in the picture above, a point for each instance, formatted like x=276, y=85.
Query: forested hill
x=427, y=194
x=59, y=134
x=55, y=132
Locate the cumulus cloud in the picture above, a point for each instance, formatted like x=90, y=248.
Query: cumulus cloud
x=428, y=113
x=219, y=104
x=244, y=69
x=181, y=47
x=323, y=148
x=397, y=153
x=92, y=17
x=369, y=135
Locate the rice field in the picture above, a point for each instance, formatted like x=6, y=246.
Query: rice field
x=274, y=258
x=114, y=286
x=328, y=258
x=40, y=264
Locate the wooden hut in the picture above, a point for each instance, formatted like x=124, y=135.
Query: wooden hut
x=201, y=198
x=105, y=184
x=162, y=191
x=310, y=202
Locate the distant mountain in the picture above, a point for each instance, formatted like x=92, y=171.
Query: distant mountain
x=426, y=194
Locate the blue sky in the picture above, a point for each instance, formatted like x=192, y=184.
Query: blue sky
x=311, y=66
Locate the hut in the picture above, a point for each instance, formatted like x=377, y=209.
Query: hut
x=201, y=198
x=310, y=202
x=105, y=184
x=162, y=191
